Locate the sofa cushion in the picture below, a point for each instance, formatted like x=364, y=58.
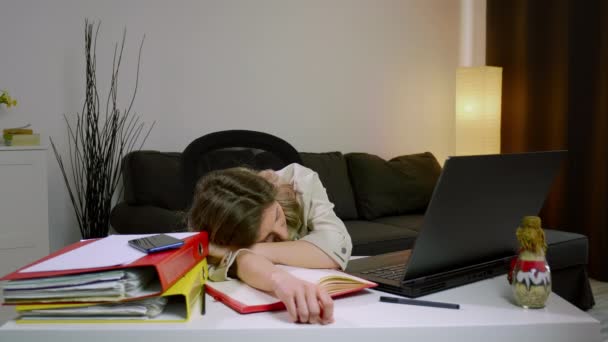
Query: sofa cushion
x=399, y=186
x=411, y=222
x=332, y=170
x=153, y=178
x=371, y=238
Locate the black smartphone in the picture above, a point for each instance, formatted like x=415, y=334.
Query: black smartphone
x=156, y=243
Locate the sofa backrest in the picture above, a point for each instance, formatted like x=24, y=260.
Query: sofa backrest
x=333, y=173
x=152, y=178
x=361, y=185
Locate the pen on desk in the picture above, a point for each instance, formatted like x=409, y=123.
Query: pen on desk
x=398, y=300
x=203, y=300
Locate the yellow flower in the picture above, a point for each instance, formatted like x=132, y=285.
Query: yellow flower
x=7, y=99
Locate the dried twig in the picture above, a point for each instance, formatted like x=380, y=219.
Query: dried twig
x=96, y=149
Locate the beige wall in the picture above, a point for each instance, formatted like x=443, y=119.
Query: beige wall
x=472, y=32
x=374, y=76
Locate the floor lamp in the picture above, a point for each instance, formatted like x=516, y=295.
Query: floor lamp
x=478, y=95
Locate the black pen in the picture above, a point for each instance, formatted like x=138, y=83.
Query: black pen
x=398, y=300
x=203, y=300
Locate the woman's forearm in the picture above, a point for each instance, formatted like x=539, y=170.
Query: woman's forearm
x=256, y=270
x=295, y=253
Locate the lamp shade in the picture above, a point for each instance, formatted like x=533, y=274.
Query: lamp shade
x=478, y=96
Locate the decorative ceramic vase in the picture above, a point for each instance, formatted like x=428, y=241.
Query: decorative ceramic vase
x=531, y=280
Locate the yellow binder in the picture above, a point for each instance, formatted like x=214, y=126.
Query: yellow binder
x=181, y=299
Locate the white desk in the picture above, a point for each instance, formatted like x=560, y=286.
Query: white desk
x=486, y=314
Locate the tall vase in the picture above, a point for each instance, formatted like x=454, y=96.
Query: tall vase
x=531, y=280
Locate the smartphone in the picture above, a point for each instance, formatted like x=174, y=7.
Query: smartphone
x=156, y=243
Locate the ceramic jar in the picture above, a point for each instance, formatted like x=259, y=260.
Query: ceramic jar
x=531, y=280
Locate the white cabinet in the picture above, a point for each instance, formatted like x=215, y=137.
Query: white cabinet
x=24, y=218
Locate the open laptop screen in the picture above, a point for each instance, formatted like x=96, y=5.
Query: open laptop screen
x=476, y=206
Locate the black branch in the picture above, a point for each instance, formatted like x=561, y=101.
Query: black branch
x=97, y=145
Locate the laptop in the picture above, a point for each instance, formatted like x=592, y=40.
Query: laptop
x=468, y=232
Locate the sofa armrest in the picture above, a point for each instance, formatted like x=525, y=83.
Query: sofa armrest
x=145, y=219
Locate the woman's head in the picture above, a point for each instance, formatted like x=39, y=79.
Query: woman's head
x=238, y=208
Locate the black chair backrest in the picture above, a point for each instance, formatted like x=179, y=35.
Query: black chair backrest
x=224, y=149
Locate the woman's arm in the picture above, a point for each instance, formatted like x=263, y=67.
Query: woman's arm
x=295, y=253
x=305, y=302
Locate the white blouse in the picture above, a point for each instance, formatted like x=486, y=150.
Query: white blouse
x=321, y=225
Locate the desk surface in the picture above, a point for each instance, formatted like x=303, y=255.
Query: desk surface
x=486, y=312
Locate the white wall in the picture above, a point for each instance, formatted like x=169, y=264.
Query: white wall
x=374, y=76
x=472, y=32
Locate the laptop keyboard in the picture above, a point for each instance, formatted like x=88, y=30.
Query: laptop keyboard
x=393, y=272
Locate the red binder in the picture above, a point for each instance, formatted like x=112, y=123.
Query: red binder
x=169, y=265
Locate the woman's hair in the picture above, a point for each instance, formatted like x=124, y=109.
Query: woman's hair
x=286, y=196
x=228, y=204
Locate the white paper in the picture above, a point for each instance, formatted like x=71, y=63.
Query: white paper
x=69, y=280
x=110, y=251
x=146, y=307
x=243, y=293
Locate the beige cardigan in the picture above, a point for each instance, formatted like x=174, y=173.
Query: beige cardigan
x=321, y=226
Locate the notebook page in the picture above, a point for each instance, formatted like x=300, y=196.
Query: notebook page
x=250, y=296
x=314, y=275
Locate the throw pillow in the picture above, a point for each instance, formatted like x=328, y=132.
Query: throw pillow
x=399, y=186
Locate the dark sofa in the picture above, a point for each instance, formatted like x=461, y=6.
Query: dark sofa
x=381, y=203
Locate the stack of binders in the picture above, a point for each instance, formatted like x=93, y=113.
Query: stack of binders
x=105, y=280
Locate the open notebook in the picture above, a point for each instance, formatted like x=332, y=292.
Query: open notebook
x=246, y=299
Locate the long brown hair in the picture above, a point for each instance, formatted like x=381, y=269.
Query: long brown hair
x=229, y=203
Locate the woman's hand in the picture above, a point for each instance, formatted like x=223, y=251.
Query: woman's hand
x=305, y=302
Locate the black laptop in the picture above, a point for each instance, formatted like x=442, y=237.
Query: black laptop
x=468, y=232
